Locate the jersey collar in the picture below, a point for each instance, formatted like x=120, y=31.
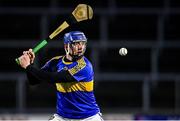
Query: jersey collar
x=67, y=63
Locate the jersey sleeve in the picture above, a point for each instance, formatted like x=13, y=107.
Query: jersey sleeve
x=82, y=72
x=51, y=64
x=46, y=66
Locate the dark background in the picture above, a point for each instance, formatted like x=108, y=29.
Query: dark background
x=145, y=81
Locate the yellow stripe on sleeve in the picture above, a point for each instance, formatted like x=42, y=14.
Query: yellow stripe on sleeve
x=56, y=57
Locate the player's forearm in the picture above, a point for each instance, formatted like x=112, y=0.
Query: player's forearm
x=52, y=77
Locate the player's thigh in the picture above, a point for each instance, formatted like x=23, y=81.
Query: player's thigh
x=56, y=117
x=96, y=117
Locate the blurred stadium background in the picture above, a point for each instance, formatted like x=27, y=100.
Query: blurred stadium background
x=145, y=84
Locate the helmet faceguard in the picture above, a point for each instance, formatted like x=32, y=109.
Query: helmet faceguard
x=73, y=38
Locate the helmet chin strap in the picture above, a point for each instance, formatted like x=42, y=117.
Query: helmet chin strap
x=68, y=49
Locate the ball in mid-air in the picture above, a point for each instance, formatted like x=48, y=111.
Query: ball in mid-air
x=123, y=51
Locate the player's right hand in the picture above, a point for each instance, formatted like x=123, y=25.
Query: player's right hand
x=24, y=61
x=31, y=55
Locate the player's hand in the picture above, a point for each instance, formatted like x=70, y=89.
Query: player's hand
x=31, y=55
x=24, y=61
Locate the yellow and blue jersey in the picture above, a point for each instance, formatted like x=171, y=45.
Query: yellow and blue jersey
x=75, y=100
